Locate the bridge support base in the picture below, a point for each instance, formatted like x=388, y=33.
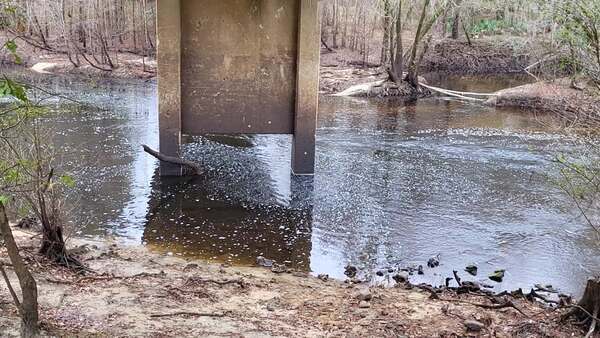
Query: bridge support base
x=201, y=72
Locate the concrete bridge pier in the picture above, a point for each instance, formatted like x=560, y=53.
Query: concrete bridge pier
x=238, y=66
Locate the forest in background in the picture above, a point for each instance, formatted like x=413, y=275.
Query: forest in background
x=95, y=32
x=92, y=31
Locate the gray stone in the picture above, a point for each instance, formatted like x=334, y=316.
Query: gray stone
x=350, y=271
x=433, y=262
x=279, y=268
x=401, y=277
x=364, y=304
x=474, y=326
x=365, y=294
x=497, y=276
x=323, y=277
x=471, y=269
x=262, y=261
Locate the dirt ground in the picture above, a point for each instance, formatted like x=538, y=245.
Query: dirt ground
x=483, y=56
x=577, y=105
x=130, y=65
x=342, y=68
x=137, y=293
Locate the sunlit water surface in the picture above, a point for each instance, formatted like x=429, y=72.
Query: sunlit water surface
x=395, y=184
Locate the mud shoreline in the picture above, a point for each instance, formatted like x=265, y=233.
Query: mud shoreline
x=135, y=292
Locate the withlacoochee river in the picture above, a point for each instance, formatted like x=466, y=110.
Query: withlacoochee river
x=396, y=183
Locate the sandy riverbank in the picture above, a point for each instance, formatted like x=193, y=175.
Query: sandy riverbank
x=138, y=293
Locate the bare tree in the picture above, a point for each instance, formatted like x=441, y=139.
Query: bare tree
x=28, y=304
x=456, y=21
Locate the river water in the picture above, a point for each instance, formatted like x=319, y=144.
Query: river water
x=396, y=184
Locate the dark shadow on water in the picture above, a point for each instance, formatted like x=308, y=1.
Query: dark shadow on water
x=186, y=217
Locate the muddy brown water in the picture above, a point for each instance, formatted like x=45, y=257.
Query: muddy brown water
x=396, y=183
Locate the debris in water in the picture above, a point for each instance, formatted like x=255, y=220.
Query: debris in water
x=546, y=288
x=350, y=271
x=434, y=261
x=497, y=276
x=471, y=269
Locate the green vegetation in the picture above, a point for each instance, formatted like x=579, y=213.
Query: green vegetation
x=29, y=181
x=495, y=26
x=579, y=33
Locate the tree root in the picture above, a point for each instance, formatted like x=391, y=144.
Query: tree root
x=588, y=307
x=594, y=322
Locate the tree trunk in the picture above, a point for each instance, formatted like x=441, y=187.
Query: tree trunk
x=28, y=307
x=398, y=62
x=345, y=33
x=412, y=77
x=53, y=243
x=588, y=308
x=385, y=49
x=456, y=21
x=335, y=24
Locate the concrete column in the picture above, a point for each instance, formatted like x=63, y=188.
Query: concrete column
x=168, y=16
x=307, y=88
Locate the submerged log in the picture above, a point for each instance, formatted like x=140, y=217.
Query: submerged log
x=196, y=169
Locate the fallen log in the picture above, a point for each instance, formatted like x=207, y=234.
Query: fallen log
x=462, y=95
x=196, y=169
x=360, y=89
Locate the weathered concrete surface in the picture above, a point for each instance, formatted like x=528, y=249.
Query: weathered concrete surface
x=240, y=66
x=169, y=82
x=307, y=89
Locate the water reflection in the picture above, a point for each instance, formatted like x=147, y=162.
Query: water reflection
x=191, y=217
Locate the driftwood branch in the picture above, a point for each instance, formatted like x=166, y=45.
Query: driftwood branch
x=506, y=304
x=189, y=314
x=174, y=160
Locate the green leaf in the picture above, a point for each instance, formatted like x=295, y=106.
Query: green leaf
x=11, y=45
x=13, y=89
x=4, y=199
x=68, y=181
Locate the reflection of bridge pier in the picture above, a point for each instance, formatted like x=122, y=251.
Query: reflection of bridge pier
x=224, y=217
x=227, y=67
